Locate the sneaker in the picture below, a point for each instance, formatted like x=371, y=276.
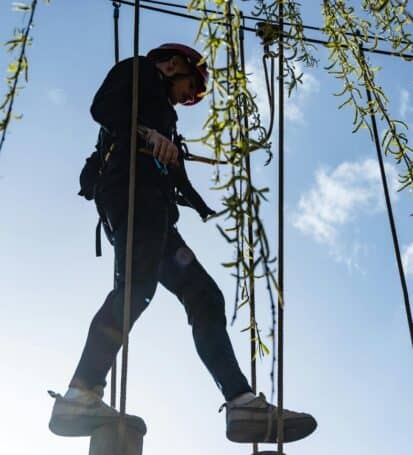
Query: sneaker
x=81, y=414
x=256, y=421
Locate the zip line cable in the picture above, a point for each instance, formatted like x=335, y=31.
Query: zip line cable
x=250, y=29
x=253, y=18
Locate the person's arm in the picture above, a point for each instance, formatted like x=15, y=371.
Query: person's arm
x=159, y=146
x=190, y=196
x=112, y=103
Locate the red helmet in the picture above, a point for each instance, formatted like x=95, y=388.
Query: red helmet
x=193, y=57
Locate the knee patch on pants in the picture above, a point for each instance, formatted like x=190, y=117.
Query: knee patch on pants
x=183, y=256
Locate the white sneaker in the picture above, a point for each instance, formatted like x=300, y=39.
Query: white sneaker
x=256, y=421
x=80, y=412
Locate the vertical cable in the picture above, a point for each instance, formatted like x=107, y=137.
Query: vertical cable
x=281, y=301
x=113, y=373
x=251, y=266
x=131, y=213
x=388, y=202
x=231, y=62
x=116, y=6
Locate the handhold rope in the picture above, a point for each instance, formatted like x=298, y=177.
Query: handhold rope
x=251, y=252
x=113, y=373
x=131, y=213
x=280, y=369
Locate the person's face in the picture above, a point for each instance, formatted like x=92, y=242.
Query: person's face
x=183, y=89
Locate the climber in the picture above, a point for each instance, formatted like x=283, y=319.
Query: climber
x=170, y=74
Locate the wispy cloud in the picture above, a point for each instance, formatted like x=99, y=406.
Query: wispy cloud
x=339, y=197
x=57, y=96
x=294, y=106
x=405, y=106
x=408, y=259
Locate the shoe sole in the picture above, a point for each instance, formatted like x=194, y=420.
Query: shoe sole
x=256, y=432
x=85, y=425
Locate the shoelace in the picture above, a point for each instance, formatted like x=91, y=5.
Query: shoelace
x=225, y=405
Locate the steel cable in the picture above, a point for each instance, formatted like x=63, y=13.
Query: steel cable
x=281, y=302
x=389, y=206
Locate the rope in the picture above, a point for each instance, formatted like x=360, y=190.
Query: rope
x=251, y=249
x=116, y=6
x=280, y=429
x=131, y=213
x=389, y=208
x=113, y=373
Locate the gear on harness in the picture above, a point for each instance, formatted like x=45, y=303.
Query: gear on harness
x=94, y=172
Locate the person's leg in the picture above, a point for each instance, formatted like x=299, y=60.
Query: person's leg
x=105, y=334
x=184, y=276
x=249, y=418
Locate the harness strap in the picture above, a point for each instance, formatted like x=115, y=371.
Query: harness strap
x=98, y=238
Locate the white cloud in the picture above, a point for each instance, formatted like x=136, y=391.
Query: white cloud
x=408, y=259
x=405, y=105
x=294, y=106
x=57, y=96
x=337, y=198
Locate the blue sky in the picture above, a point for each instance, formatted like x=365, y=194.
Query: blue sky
x=348, y=355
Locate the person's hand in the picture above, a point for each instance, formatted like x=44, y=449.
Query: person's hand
x=163, y=149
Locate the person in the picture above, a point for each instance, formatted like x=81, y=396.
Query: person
x=170, y=74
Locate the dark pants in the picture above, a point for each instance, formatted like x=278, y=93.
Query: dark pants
x=161, y=255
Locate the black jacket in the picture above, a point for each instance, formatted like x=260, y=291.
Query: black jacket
x=111, y=107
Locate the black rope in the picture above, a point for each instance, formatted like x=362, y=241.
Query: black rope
x=389, y=208
x=113, y=373
x=131, y=213
x=280, y=376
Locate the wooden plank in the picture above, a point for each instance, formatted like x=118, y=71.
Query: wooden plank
x=117, y=438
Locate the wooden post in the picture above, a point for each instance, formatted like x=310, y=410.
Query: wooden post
x=118, y=438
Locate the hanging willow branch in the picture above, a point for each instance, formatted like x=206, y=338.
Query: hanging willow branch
x=348, y=64
x=19, y=66
x=227, y=137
